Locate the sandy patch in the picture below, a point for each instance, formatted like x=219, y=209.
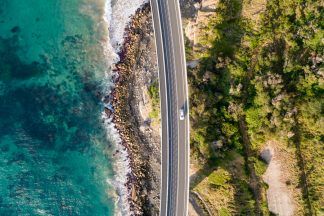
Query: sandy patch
x=191, y=210
x=279, y=196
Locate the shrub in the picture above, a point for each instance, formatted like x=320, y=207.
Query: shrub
x=219, y=178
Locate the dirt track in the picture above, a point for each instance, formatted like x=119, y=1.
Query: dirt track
x=280, y=200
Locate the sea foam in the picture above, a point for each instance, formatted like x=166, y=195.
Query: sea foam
x=117, y=16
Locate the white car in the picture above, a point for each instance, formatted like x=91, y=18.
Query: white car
x=182, y=115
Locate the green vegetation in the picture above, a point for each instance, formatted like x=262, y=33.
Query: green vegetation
x=153, y=91
x=219, y=178
x=255, y=83
x=259, y=165
x=224, y=212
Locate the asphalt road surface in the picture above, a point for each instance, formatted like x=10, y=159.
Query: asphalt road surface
x=174, y=96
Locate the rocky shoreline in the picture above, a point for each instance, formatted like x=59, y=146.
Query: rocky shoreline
x=133, y=75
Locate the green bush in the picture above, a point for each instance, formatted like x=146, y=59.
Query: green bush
x=260, y=166
x=282, y=90
x=153, y=91
x=224, y=212
x=219, y=178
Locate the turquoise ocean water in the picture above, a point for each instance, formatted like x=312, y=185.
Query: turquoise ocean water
x=54, y=153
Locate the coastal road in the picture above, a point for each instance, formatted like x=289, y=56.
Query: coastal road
x=174, y=96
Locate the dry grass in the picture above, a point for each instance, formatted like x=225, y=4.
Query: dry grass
x=220, y=198
x=252, y=9
x=215, y=197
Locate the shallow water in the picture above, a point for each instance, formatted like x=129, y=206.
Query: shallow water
x=55, y=158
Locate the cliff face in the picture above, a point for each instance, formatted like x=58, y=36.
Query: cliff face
x=196, y=17
x=199, y=15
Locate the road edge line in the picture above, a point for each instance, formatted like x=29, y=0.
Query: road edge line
x=167, y=120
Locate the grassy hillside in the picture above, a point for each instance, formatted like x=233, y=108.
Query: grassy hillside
x=260, y=79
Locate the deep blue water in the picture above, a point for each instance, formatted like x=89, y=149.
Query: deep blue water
x=53, y=144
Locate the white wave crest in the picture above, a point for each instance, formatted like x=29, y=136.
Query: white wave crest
x=116, y=17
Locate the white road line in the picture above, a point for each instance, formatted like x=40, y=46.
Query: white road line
x=187, y=139
x=168, y=57
x=176, y=91
x=166, y=99
x=171, y=60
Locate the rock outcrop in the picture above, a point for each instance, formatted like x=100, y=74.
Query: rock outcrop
x=136, y=71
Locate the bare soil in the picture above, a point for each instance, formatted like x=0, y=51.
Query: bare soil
x=282, y=194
